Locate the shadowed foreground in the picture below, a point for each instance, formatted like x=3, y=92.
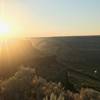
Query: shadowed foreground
x=26, y=84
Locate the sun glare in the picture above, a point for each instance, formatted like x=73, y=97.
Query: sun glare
x=4, y=29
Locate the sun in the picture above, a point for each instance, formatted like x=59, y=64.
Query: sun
x=4, y=28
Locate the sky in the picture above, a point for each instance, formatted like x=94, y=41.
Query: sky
x=52, y=17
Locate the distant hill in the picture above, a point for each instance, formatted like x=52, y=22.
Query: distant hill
x=54, y=56
x=80, y=54
x=77, y=51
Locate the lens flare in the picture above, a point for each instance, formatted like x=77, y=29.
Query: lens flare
x=4, y=29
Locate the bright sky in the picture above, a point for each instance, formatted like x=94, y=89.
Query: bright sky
x=52, y=17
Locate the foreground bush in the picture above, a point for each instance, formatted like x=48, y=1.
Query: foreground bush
x=26, y=84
